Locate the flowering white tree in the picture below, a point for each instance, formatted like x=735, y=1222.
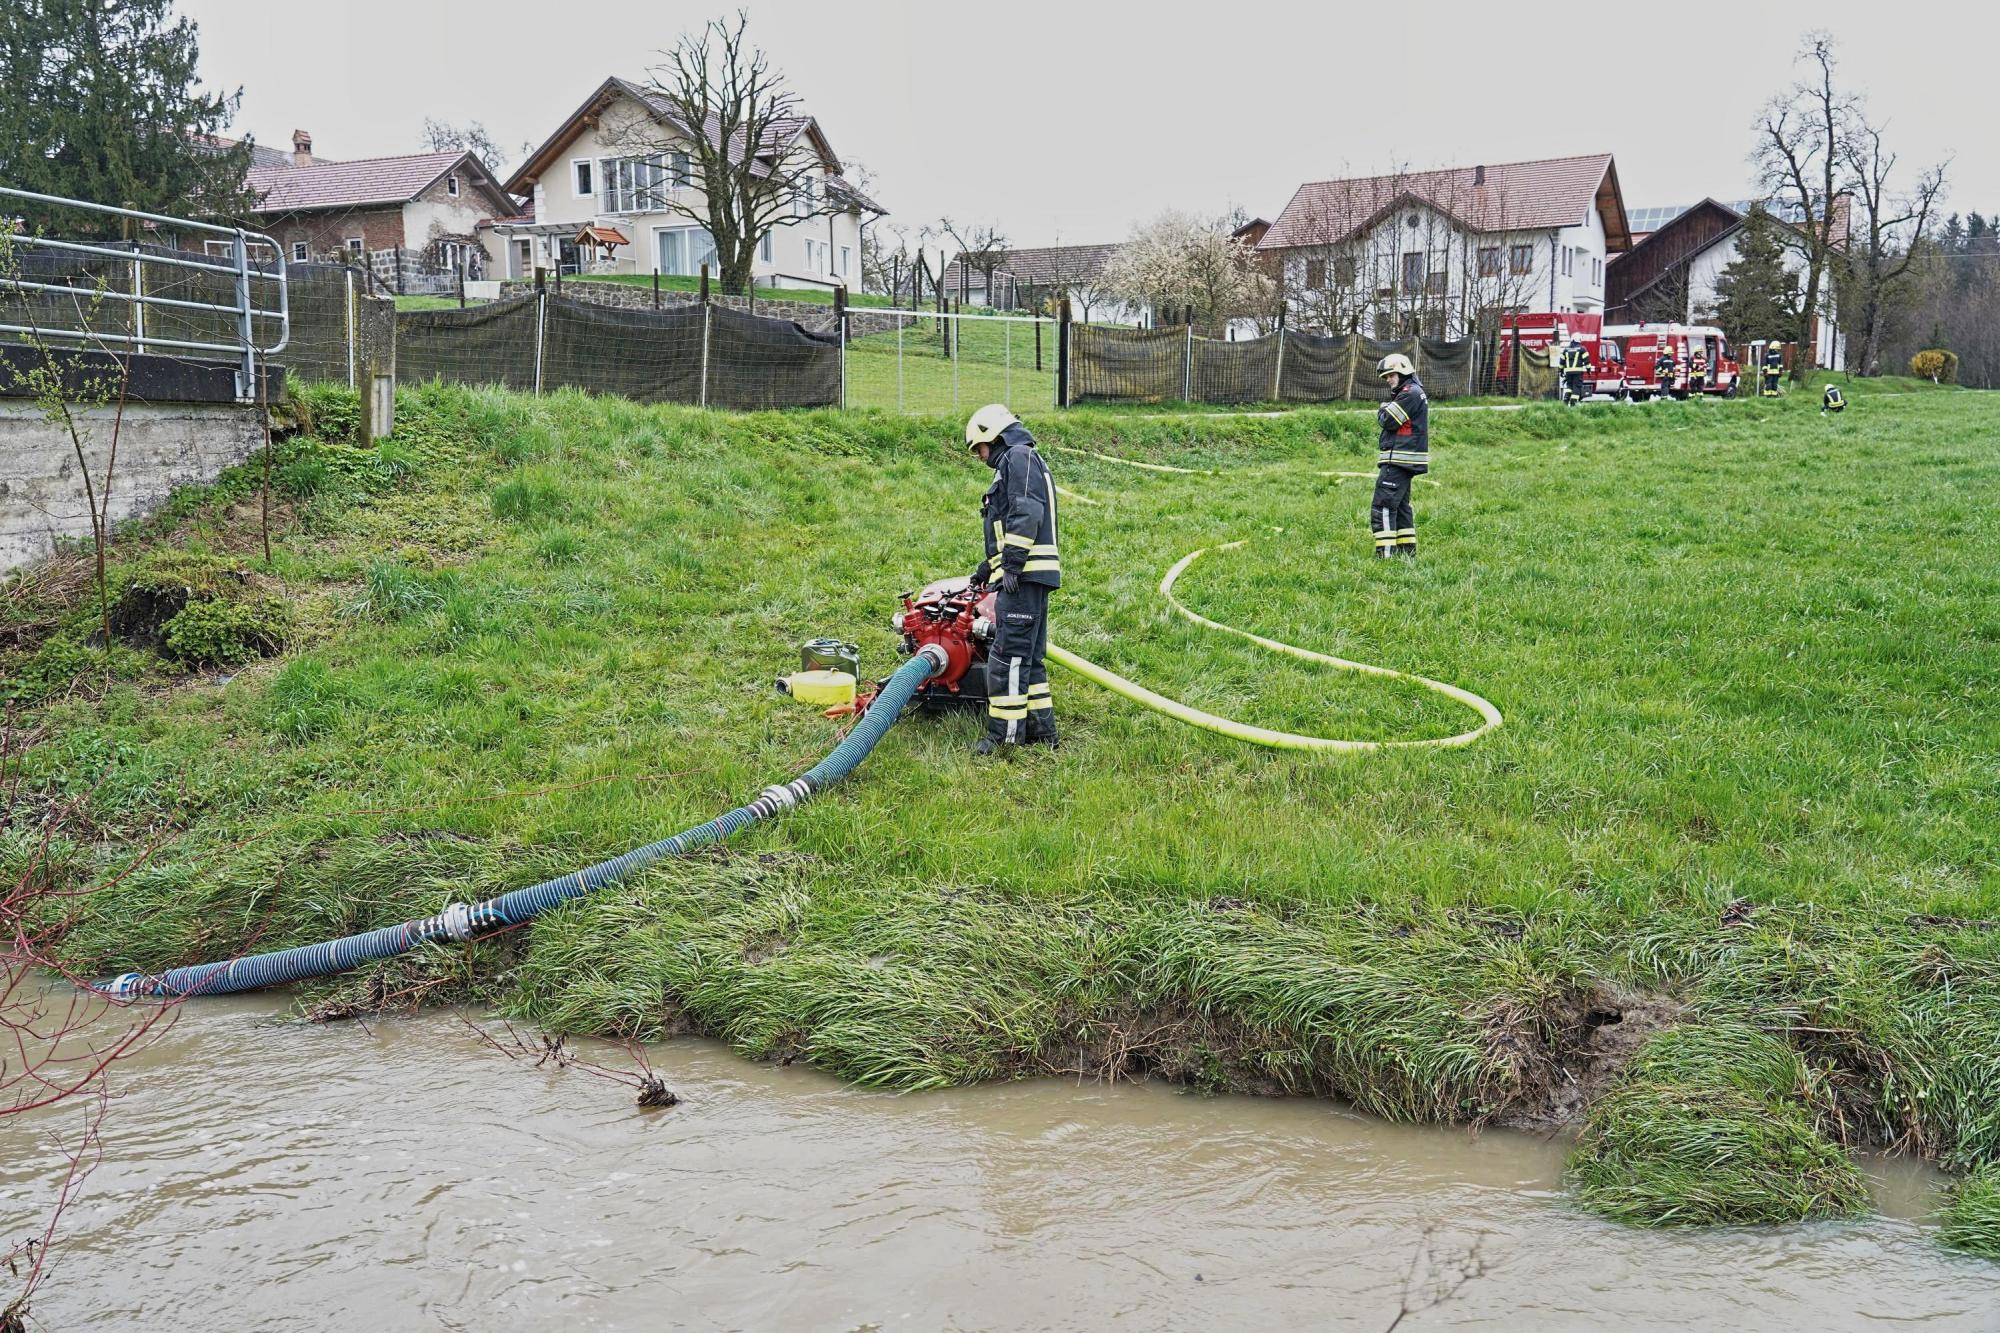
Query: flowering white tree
x=1181, y=261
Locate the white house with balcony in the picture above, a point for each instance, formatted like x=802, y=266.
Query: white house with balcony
x=1442, y=252
x=601, y=186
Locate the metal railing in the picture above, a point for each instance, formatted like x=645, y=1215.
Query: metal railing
x=250, y=342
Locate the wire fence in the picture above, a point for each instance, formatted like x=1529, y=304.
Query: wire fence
x=936, y=362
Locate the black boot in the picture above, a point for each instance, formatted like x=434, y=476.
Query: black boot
x=1044, y=734
x=986, y=746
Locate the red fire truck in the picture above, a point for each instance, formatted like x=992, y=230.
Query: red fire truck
x=1641, y=344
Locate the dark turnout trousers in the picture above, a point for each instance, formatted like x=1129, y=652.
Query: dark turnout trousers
x=1019, y=707
x=1389, y=513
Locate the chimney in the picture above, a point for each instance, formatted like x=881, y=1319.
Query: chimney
x=1478, y=173
x=302, y=148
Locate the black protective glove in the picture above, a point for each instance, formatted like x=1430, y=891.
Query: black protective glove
x=979, y=579
x=1010, y=580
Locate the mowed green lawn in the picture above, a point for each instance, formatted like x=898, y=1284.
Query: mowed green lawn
x=1749, y=659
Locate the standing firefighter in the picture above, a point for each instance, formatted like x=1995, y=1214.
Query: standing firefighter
x=1774, y=366
x=1575, y=365
x=1666, y=368
x=1698, y=373
x=1402, y=454
x=1018, y=514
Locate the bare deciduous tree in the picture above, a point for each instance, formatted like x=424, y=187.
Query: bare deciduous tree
x=1892, y=228
x=1802, y=136
x=442, y=137
x=718, y=100
x=982, y=248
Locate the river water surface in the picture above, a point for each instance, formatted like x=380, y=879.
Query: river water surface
x=263, y=1174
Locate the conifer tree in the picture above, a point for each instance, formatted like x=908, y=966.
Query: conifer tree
x=101, y=100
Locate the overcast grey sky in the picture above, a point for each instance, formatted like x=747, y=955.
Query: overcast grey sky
x=1070, y=121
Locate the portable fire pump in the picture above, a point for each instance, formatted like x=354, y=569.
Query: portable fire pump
x=958, y=618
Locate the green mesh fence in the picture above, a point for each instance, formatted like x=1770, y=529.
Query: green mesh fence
x=1235, y=372
x=756, y=363
x=486, y=344
x=1446, y=368
x=1160, y=365
x=651, y=356
x=1317, y=368
x=1127, y=365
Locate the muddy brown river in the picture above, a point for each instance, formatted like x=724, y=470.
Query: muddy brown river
x=261, y=1174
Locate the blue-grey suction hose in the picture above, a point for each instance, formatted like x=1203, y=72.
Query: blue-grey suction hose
x=468, y=921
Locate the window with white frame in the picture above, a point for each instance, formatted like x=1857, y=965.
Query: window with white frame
x=585, y=184
x=298, y=252
x=679, y=175
x=764, y=248
x=451, y=186
x=683, y=250
x=805, y=200
x=354, y=244
x=846, y=260
x=633, y=184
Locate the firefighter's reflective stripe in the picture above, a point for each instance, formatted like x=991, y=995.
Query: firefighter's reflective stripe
x=1396, y=414
x=1419, y=457
x=1038, y=697
x=1008, y=707
x=1016, y=539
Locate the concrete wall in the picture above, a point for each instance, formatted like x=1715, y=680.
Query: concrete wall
x=159, y=447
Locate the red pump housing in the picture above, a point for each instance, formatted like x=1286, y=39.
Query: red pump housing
x=958, y=618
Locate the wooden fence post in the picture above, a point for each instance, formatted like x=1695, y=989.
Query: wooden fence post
x=840, y=327
x=1062, y=353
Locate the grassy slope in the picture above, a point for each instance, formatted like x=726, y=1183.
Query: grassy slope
x=1745, y=654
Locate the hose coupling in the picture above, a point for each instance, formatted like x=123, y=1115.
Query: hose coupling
x=940, y=659
x=785, y=797
x=456, y=920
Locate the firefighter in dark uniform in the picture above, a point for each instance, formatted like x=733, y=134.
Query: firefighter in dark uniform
x=1697, y=373
x=1402, y=454
x=1774, y=366
x=1833, y=400
x=1575, y=365
x=1019, y=518
x=1666, y=367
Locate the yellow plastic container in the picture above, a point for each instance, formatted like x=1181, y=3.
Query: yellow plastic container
x=821, y=689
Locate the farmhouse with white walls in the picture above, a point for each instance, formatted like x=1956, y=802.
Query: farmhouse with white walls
x=597, y=206
x=1442, y=252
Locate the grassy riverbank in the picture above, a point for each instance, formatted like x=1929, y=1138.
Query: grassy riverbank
x=1748, y=658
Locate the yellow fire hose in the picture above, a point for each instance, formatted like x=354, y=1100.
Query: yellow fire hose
x=1243, y=731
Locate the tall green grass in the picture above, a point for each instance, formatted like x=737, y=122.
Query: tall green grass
x=1747, y=656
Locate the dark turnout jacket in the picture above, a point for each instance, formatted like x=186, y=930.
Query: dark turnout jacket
x=1406, y=428
x=1019, y=511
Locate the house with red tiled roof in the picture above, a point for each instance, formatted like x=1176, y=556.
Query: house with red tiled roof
x=608, y=185
x=421, y=209
x=1445, y=252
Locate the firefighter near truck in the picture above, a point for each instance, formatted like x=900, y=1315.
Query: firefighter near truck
x=1621, y=362
x=1674, y=361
